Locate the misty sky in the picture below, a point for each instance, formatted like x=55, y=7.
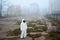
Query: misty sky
x=43, y=4
x=27, y=6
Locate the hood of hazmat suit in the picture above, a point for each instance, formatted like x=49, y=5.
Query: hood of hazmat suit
x=23, y=25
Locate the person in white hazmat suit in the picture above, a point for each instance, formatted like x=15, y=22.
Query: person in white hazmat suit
x=23, y=27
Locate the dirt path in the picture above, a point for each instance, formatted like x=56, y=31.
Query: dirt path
x=7, y=25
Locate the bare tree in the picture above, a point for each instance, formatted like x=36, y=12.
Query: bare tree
x=2, y=4
x=14, y=10
x=0, y=8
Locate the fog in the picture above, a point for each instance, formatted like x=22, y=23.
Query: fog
x=36, y=8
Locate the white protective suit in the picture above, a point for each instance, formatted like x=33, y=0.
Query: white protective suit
x=23, y=27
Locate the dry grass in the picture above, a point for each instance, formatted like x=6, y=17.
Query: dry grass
x=0, y=29
x=30, y=24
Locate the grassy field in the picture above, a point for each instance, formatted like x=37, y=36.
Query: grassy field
x=35, y=29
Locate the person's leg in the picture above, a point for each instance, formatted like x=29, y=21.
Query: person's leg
x=22, y=34
x=25, y=33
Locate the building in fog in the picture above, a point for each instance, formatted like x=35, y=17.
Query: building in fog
x=14, y=10
x=54, y=6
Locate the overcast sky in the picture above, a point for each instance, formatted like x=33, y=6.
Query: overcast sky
x=26, y=3
x=28, y=6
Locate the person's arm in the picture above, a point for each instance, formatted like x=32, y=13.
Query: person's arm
x=21, y=26
x=26, y=25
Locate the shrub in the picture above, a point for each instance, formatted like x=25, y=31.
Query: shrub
x=54, y=35
x=18, y=22
x=16, y=32
x=33, y=36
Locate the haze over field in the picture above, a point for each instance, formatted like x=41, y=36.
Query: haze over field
x=29, y=7
x=42, y=16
